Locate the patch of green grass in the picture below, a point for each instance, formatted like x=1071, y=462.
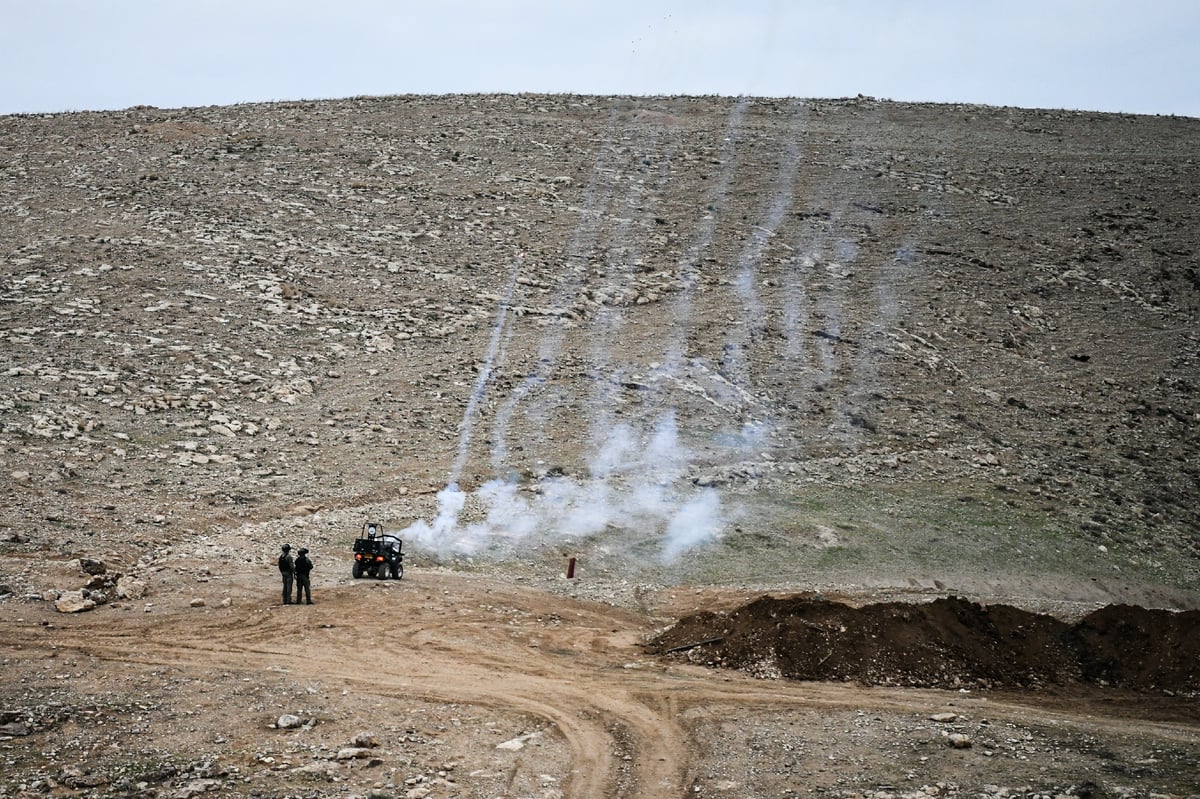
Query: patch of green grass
x=839, y=558
x=890, y=533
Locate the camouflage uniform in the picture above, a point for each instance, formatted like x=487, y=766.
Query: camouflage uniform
x=287, y=569
x=303, y=569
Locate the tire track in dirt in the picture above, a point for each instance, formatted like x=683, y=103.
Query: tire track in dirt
x=576, y=666
x=570, y=680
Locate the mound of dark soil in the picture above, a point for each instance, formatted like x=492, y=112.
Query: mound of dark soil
x=946, y=643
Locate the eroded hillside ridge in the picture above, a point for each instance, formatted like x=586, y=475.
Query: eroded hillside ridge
x=970, y=321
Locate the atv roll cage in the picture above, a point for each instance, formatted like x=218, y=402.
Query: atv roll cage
x=378, y=554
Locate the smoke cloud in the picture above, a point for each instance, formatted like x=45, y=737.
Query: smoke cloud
x=636, y=481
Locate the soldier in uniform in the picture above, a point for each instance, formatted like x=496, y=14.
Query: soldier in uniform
x=303, y=569
x=287, y=570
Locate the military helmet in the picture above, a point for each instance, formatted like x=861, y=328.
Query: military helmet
x=286, y=547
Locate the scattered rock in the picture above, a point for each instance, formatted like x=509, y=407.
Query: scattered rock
x=288, y=722
x=92, y=566
x=73, y=602
x=130, y=588
x=365, y=740
x=318, y=769
x=518, y=743
x=353, y=752
x=83, y=781
x=195, y=788
x=15, y=729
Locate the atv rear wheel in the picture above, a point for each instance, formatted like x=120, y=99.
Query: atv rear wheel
x=358, y=569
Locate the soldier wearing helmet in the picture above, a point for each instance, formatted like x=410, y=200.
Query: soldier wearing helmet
x=287, y=570
x=303, y=569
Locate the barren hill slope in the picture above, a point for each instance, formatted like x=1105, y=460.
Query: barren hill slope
x=900, y=339
x=710, y=347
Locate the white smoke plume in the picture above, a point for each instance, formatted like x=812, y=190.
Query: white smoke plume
x=637, y=478
x=637, y=481
x=698, y=521
x=440, y=534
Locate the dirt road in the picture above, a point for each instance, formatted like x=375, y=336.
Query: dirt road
x=522, y=693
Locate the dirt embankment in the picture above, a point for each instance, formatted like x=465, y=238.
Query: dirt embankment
x=947, y=643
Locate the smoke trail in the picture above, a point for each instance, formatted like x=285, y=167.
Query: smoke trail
x=814, y=284
x=485, y=372
x=794, y=317
x=887, y=307
x=702, y=240
x=820, y=337
x=633, y=476
x=439, y=535
x=623, y=253
x=637, y=476
x=740, y=337
x=596, y=195
x=697, y=522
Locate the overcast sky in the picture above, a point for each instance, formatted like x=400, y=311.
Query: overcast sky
x=1140, y=56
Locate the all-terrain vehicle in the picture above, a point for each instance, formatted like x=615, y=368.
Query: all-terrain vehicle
x=378, y=554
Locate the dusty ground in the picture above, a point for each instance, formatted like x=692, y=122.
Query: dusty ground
x=713, y=348
x=469, y=685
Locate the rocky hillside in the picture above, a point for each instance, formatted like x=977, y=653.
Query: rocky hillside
x=739, y=340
